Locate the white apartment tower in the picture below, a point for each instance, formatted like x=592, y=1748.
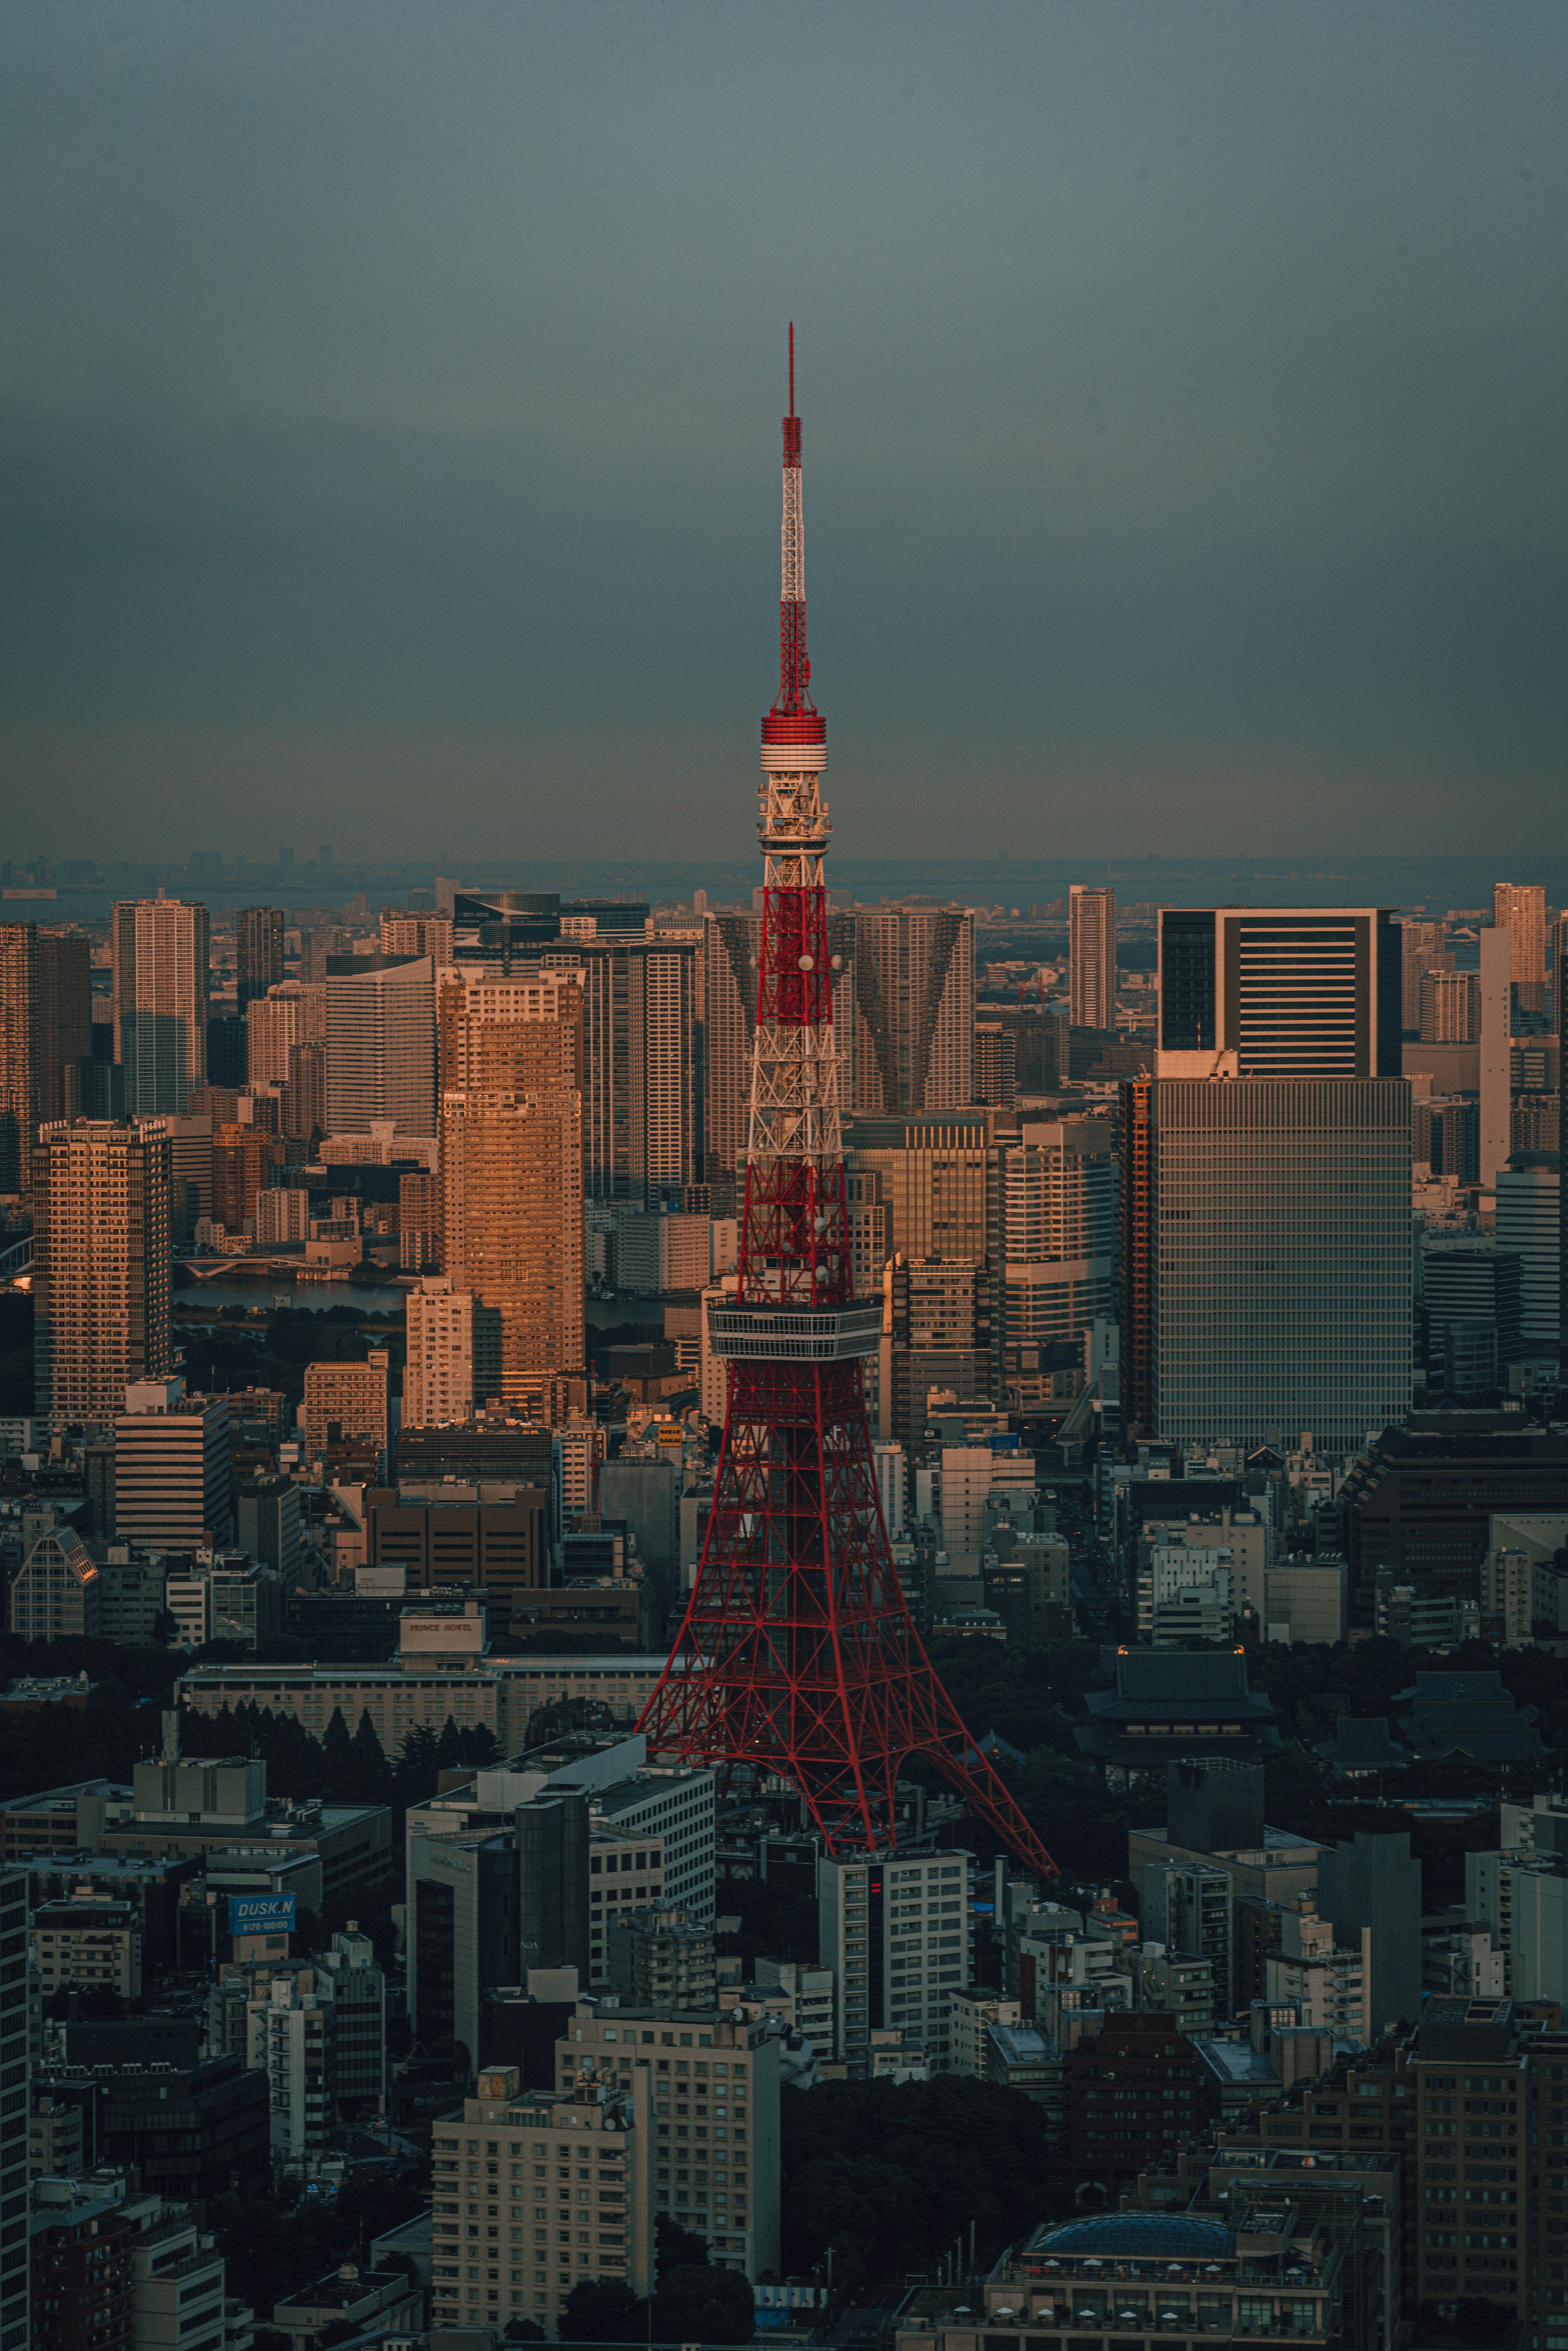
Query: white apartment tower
x=899, y=1937
x=1091, y=957
x=381, y=1043
x=453, y=1355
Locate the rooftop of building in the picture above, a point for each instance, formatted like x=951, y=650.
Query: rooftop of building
x=1172, y=2236
x=343, y=2289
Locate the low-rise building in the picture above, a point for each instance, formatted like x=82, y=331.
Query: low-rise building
x=57, y=1592
x=388, y=2301
x=89, y=1940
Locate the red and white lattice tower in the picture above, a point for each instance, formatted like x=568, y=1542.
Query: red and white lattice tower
x=797, y=1656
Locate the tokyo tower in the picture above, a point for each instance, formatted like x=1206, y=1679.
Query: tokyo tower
x=797, y=1656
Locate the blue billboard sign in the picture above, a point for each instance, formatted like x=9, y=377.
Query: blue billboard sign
x=261, y=1914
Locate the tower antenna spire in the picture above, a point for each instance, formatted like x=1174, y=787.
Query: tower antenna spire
x=797, y=1656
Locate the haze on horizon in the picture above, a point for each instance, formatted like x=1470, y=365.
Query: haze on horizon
x=389, y=424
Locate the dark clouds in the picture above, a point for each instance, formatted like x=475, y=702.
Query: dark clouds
x=390, y=407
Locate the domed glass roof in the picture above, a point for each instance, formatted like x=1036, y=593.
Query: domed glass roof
x=1168, y=2236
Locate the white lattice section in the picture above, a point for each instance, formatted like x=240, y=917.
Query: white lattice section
x=793, y=540
x=795, y=1104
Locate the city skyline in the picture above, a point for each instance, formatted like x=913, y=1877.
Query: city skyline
x=396, y=449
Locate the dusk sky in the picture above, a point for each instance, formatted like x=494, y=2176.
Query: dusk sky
x=390, y=403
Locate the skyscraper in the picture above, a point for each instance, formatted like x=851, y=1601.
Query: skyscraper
x=64, y=1019
x=287, y=1015
x=1520, y=909
x=1091, y=957
x=159, y=1000
x=1282, y=1284
x=1059, y=1240
x=915, y=1011
x=18, y=1051
x=1276, y=991
x=1422, y=947
x=408, y=934
x=1449, y=1010
x=381, y=1043
x=258, y=951
x=642, y=1107
x=1272, y=1246
x=512, y=1162
x=101, y=1265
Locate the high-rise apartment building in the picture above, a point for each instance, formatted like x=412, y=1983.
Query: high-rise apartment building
x=898, y=1934
x=1450, y=1007
x=1520, y=909
x=18, y=1052
x=381, y=1043
x=101, y=1265
x=417, y=934
x=289, y=1014
x=160, y=948
x=243, y=1160
x=453, y=1355
x=511, y=1174
x=1422, y=947
x=258, y=951
x=512, y=1161
x=304, y=1100
x=1278, y=991
x=419, y=1221
x=730, y=947
x=64, y=1019
x=1091, y=957
x=915, y=1011
x=1058, y=1237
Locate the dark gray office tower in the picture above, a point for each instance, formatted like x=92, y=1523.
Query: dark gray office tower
x=553, y=1882
x=1375, y=1883
x=65, y=1021
x=1279, y=992
x=1214, y=1804
x=1276, y=1211
x=258, y=951
x=1473, y=1286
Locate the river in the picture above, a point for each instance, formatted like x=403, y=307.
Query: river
x=379, y=1297
x=269, y=1290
